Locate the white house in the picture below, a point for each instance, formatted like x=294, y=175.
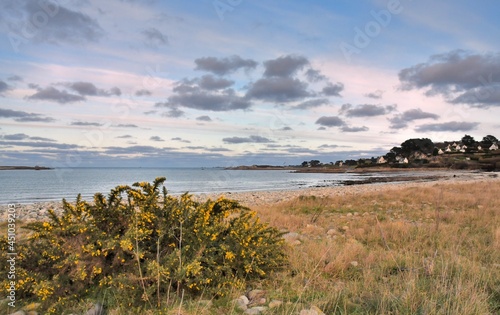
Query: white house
x=448, y=149
x=381, y=160
x=458, y=147
x=454, y=144
x=440, y=151
x=401, y=160
x=479, y=148
x=494, y=146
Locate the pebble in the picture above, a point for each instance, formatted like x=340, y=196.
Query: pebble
x=97, y=309
x=256, y=310
x=275, y=303
x=256, y=295
x=241, y=303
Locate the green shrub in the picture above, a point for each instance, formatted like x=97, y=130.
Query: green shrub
x=142, y=243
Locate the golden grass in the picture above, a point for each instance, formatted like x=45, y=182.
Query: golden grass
x=428, y=250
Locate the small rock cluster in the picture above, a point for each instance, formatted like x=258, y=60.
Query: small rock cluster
x=255, y=302
x=30, y=309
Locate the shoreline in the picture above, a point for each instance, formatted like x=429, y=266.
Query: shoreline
x=255, y=199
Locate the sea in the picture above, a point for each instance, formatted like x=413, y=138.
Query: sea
x=30, y=186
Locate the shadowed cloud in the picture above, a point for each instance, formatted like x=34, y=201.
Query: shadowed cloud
x=21, y=116
x=452, y=126
x=251, y=139
x=461, y=77
x=402, y=120
x=224, y=65
x=366, y=110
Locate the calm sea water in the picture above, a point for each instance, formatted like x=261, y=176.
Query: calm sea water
x=27, y=186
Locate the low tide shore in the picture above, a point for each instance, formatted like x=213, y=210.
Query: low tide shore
x=257, y=199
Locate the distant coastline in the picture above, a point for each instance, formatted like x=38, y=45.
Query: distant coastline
x=33, y=168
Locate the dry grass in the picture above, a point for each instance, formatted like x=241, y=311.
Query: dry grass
x=429, y=250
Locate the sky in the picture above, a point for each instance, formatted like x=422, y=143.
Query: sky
x=126, y=83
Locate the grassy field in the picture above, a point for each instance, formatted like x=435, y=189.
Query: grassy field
x=428, y=250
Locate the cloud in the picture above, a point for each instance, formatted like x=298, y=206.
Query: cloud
x=401, y=120
x=483, y=96
x=224, y=65
x=52, y=94
x=4, y=87
x=461, y=77
x=41, y=144
x=196, y=98
x=15, y=78
x=17, y=136
x=312, y=103
x=126, y=126
x=333, y=89
x=86, y=123
x=204, y=118
x=62, y=26
x=354, y=129
x=138, y=149
x=124, y=137
x=21, y=116
x=143, y=92
x=209, y=82
x=375, y=95
x=278, y=89
x=174, y=112
x=180, y=140
x=251, y=139
x=89, y=89
x=366, y=110
x=330, y=121
x=452, y=126
x=154, y=38
x=284, y=66
x=313, y=75
x=218, y=149
x=328, y=146
x=156, y=138
x=23, y=136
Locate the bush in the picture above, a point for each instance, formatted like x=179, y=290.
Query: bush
x=143, y=244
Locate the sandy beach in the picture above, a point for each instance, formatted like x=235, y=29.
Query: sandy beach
x=256, y=199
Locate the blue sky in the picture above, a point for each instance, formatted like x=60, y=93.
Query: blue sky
x=230, y=82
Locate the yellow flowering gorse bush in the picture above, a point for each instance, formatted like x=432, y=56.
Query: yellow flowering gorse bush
x=144, y=242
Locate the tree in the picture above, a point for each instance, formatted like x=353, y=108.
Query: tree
x=468, y=140
x=305, y=164
x=315, y=163
x=412, y=145
x=489, y=140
